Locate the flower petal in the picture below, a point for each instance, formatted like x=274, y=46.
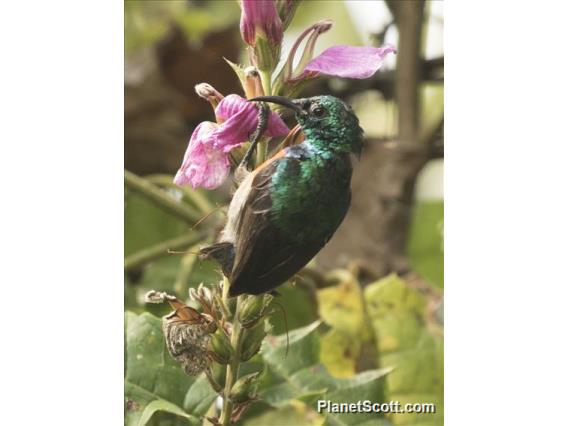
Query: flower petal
x=349, y=61
x=260, y=16
x=239, y=120
x=203, y=165
x=229, y=106
x=276, y=126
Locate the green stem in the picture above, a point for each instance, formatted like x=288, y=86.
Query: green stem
x=161, y=198
x=266, y=77
x=195, y=196
x=261, y=150
x=233, y=366
x=181, y=285
x=144, y=256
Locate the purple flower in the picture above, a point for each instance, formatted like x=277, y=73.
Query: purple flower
x=203, y=165
x=349, y=61
x=260, y=16
x=314, y=32
x=339, y=61
x=206, y=160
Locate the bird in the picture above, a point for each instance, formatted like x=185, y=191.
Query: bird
x=285, y=210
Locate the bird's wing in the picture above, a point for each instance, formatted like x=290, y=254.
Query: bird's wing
x=264, y=257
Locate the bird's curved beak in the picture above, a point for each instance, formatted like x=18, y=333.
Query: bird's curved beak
x=295, y=105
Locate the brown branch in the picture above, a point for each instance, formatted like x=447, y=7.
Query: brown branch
x=402, y=162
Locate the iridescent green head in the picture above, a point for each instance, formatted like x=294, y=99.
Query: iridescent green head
x=326, y=121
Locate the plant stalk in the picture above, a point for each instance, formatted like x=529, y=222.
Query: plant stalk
x=266, y=77
x=161, y=198
x=233, y=366
x=144, y=256
x=196, y=196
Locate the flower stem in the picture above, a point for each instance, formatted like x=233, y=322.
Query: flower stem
x=261, y=149
x=266, y=77
x=233, y=366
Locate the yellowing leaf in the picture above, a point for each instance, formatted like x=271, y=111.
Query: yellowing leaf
x=341, y=306
x=398, y=316
x=339, y=352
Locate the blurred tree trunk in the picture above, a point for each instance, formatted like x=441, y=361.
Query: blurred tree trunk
x=374, y=235
x=396, y=177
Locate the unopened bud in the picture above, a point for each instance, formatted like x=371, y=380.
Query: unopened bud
x=253, y=83
x=220, y=348
x=261, y=29
x=252, y=341
x=259, y=19
x=243, y=390
x=252, y=309
x=208, y=92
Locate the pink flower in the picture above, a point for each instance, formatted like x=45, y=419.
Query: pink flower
x=206, y=160
x=339, y=61
x=260, y=16
x=349, y=61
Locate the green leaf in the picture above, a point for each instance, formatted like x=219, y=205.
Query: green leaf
x=145, y=224
x=339, y=352
x=302, y=352
x=425, y=246
x=300, y=307
x=365, y=386
x=290, y=415
x=341, y=306
x=161, y=405
x=409, y=343
x=300, y=376
x=239, y=71
x=199, y=397
x=154, y=381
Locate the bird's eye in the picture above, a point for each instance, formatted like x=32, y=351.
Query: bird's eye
x=317, y=111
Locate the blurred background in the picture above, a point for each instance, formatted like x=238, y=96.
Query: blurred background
x=389, y=247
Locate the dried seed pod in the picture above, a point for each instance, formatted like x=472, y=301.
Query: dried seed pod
x=187, y=344
x=186, y=332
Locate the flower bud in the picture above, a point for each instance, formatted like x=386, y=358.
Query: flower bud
x=208, y=92
x=252, y=309
x=243, y=390
x=220, y=348
x=253, y=83
x=259, y=19
x=261, y=29
x=252, y=341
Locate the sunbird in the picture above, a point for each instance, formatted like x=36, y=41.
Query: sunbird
x=289, y=207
